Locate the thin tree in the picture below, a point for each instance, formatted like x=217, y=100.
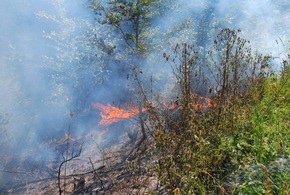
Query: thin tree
x=133, y=20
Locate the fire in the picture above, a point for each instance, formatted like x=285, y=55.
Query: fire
x=202, y=103
x=95, y=132
x=111, y=114
x=67, y=137
x=169, y=104
x=103, y=132
x=199, y=103
x=92, y=133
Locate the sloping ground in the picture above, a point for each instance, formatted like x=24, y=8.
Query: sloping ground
x=254, y=158
x=96, y=171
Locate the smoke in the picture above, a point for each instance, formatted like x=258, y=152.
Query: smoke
x=22, y=81
x=54, y=57
x=264, y=23
x=35, y=101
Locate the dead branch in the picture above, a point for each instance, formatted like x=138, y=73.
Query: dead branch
x=96, y=174
x=15, y=172
x=73, y=156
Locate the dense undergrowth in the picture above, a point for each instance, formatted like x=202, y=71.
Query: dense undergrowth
x=259, y=149
x=241, y=145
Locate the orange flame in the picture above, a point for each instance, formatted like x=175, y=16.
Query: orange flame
x=111, y=114
x=95, y=132
x=169, y=104
x=203, y=102
x=199, y=103
x=103, y=132
x=67, y=137
x=92, y=133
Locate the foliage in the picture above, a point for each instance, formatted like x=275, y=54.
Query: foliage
x=267, y=139
x=132, y=18
x=239, y=145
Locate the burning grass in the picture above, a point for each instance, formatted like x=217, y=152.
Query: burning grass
x=112, y=114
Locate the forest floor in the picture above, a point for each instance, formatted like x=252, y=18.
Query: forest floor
x=109, y=170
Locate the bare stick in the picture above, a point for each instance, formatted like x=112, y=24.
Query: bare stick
x=67, y=146
x=15, y=172
x=96, y=174
x=64, y=162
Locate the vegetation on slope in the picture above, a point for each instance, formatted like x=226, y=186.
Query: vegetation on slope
x=238, y=146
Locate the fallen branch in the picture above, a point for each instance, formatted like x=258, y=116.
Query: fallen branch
x=16, y=172
x=96, y=174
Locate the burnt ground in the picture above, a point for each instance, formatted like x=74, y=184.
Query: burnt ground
x=106, y=170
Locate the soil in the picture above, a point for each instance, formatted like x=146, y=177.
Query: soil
x=109, y=170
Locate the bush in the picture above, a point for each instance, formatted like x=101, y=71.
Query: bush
x=244, y=127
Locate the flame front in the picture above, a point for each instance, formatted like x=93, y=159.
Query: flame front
x=202, y=103
x=111, y=114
